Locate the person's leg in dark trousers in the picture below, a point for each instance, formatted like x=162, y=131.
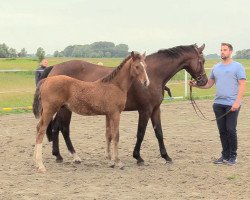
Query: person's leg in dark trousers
x=231, y=119
x=220, y=110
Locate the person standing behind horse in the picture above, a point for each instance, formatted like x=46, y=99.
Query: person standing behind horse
x=39, y=70
x=230, y=79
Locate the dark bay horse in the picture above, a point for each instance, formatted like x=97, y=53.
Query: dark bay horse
x=105, y=96
x=161, y=67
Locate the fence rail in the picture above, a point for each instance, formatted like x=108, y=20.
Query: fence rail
x=17, y=88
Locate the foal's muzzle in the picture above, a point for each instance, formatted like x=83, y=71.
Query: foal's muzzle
x=146, y=83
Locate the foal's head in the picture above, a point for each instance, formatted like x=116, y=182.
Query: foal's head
x=138, y=68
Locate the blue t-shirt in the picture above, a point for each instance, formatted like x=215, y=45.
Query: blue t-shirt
x=226, y=80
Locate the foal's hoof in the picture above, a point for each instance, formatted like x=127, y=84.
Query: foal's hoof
x=41, y=170
x=121, y=166
x=77, y=161
x=112, y=164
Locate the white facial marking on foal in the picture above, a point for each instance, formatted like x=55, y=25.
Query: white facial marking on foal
x=145, y=73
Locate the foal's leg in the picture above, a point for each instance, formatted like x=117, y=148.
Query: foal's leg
x=156, y=122
x=108, y=139
x=142, y=125
x=41, y=128
x=115, y=120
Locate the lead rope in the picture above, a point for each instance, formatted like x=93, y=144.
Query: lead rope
x=201, y=115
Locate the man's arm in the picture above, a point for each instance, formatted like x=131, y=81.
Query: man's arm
x=242, y=88
x=209, y=84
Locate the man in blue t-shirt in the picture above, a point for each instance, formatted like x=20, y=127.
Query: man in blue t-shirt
x=230, y=79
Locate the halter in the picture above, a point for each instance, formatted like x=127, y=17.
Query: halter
x=199, y=77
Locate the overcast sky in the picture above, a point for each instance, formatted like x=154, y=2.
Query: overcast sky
x=144, y=25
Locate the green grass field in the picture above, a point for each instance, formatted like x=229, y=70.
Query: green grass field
x=17, y=88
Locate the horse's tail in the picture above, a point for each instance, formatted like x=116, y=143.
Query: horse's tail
x=49, y=131
x=37, y=106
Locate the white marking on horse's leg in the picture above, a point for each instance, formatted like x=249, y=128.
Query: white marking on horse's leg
x=76, y=158
x=38, y=158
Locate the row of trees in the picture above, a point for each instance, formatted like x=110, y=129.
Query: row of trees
x=6, y=52
x=94, y=50
x=243, y=54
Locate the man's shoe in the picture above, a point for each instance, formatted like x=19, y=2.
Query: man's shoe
x=221, y=160
x=232, y=161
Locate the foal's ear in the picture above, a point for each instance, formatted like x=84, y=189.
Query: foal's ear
x=144, y=55
x=133, y=55
x=201, y=48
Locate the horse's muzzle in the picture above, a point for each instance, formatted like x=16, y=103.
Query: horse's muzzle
x=202, y=80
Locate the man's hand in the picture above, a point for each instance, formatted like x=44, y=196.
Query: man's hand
x=235, y=106
x=193, y=83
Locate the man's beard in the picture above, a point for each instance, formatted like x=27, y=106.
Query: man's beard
x=224, y=57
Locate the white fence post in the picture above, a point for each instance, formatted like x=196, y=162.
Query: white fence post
x=186, y=84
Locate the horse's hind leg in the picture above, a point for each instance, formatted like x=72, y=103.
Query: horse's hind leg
x=55, y=141
x=64, y=117
x=156, y=122
x=41, y=128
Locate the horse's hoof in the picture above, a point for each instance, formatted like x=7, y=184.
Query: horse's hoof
x=112, y=164
x=169, y=162
x=59, y=160
x=122, y=167
x=77, y=161
x=140, y=162
x=41, y=170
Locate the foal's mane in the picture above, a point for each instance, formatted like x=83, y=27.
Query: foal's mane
x=176, y=52
x=109, y=77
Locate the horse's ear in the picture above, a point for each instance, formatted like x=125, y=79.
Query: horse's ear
x=133, y=55
x=144, y=55
x=201, y=48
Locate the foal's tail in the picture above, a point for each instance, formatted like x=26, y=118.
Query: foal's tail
x=37, y=106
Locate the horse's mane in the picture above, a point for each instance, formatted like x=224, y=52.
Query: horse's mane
x=176, y=52
x=109, y=77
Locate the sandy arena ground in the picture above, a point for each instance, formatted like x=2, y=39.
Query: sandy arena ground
x=191, y=142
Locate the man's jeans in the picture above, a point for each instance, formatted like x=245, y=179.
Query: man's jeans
x=227, y=129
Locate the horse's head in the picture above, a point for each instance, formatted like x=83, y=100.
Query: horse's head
x=138, y=68
x=195, y=66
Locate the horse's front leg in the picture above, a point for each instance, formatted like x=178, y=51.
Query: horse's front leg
x=115, y=120
x=142, y=125
x=156, y=122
